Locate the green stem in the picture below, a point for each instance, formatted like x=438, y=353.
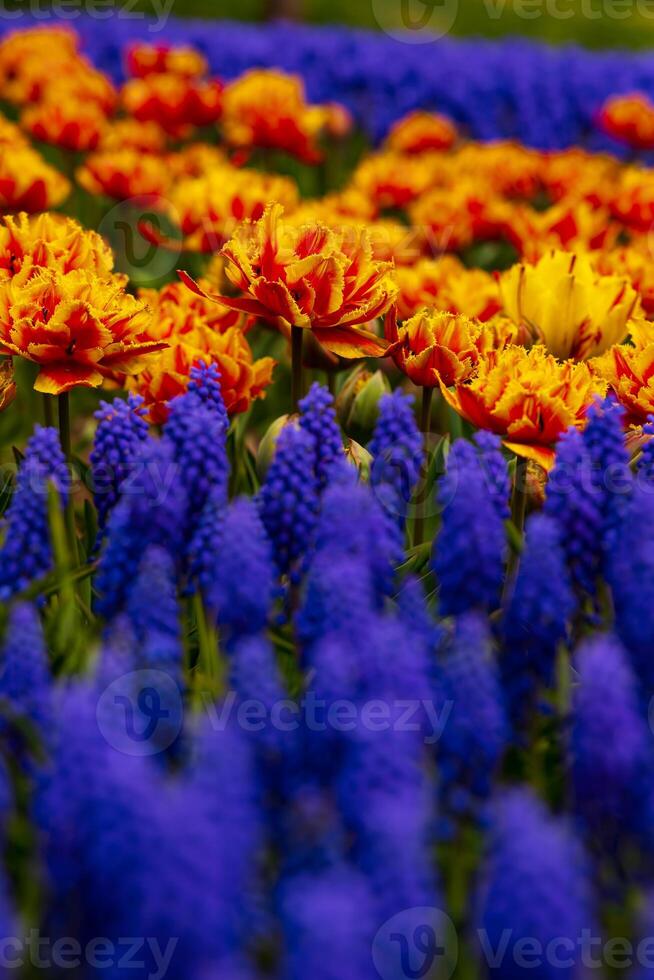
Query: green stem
x=64, y=424
x=297, y=339
x=66, y=445
x=518, y=507
x=423, y=489
x=48, y=413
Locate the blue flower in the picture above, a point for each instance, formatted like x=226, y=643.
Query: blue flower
x=121, y=429
x=232, y=562
x=318, y=418
x=469, y=549
x=538, y=611
x=398, y=454
x=631, y=577
x=288, y=500
x=469, y=704
x=26, y=553
x=577, y=509
x=152, y=513
x=535, y=886
x=329, y=923
x=153, y=611
x=609, y=771
x=25, y=677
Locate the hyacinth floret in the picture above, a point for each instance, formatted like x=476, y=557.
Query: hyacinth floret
x=152, y=513
x=205, y=385
x=495, y=469
x=611, y=479
x=535, y=884
x=121, y=429
x=231, y=561
x=469, y=549
x=25, y=677
x=26, y=553
x=398, y=454
x=540, y=605
x=577, y=510
x=197, y=434
x=318, y=418
x=153, y=611
x=288, y=500
x=610, y=774
x=475, y=732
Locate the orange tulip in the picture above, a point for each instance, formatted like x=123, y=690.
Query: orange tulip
x=242, y=379
x=49, y=241
x=446, y=284
x=125, y=174
x=28, y=183
x=76, y=327
x=311, y=278
x=176, y=103
x=71, y=124
x=156, y=59
x=527, y=397
x=629, y=371
x=434, y=347
x=421, y=131
x=629, y=119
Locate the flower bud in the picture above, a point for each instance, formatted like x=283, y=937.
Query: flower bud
x=267, y=446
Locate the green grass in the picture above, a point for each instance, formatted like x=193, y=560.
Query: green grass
x=594, y=23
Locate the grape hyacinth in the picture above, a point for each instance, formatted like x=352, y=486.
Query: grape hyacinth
x=231, y=561
x=197, y=433
x=474, y=732
x=469, y=549
x=329, y=922
x=610, y=775
x=25, y=678
x=288, y=500
x=121, y=429
x=26, y=552
x=153, y=512
x=398, y=455
x=631, y=577
x=538, y=610
x=318, y=418
x=612, y=479
x=154, y=613
x=535, y=887
x=495, y=470
x=577, y=510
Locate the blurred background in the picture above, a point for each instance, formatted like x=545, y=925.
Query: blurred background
x=592, y=23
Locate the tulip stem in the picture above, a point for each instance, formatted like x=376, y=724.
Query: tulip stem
x=64, y=424
x=66, y=445
x=297, y=338
x=518, y=507
x=425, y=413
x=423, y=489
x=48, y=414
